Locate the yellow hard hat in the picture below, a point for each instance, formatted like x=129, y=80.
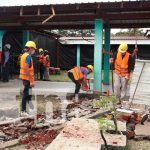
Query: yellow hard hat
x=90, y=67
x=31, y=44
x=123, y=47
x=40, y=50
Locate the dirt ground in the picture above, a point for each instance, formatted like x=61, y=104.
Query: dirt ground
x=138, y=145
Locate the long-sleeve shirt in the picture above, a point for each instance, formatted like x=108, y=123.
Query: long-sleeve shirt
x=6, y=55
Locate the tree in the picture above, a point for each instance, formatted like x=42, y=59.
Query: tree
x=75, y=33
x=131, y=32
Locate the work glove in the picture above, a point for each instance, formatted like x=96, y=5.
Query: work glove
x=127, y=77
x=32, y=84
x=111, y=60
x=85, y=88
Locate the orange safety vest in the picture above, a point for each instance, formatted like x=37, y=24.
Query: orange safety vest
x=121, y=65
x=25, y=72
x=41, y=56
x=77, y=73
x=46, y=63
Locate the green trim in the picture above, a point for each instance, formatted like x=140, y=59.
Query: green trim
x=98, y=55
x=106, y=57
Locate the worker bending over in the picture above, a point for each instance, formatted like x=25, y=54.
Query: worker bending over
x=78, y=75
x=123, y=65
x=27, y=76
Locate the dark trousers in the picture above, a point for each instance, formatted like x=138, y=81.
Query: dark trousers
x=27, y=94
x=41, y=70
x=5, y=73
x=77, y=82
x=0, y=71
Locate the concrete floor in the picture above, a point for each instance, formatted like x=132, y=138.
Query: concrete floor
x=13, y=87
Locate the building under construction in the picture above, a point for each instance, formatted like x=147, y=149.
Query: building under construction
x=58, y=121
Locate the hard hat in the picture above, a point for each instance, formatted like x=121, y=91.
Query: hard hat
x=8, y=46
x=40, y=50
x=90, y=67
x=45, y=51
x=31, y=44
x=123, y=47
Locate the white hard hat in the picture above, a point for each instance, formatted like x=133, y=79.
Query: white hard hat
x=8, y=46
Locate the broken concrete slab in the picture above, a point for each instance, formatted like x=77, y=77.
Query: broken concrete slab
x=115, y=142
x=143, y=129
x=79, y=134
x=9, y=144
x=84, y=134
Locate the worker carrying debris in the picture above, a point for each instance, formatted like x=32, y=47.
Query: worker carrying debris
x=46, y=64
x=123, y=65
x=78, y=75
x=27, y=75
x=40, y=60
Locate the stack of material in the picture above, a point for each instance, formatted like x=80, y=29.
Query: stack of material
x=140, y=83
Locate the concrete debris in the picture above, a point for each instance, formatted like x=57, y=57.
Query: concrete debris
x=38, y=138
x=9, y=144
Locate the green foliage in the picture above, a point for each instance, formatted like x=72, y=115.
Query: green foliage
x=106, y=102
x=130, y=32
x=75, y=33
x=105, y=124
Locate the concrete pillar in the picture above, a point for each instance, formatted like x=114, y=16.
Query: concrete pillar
x=106, y=57
x=78, y=55
x=26, y=37
x=1, y=39
x=98, y=55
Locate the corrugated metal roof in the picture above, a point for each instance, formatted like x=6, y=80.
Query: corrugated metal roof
x=48, y=2
x=114, y=40
x=127, y=14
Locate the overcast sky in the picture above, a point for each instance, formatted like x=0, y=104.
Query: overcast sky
x=36, y=2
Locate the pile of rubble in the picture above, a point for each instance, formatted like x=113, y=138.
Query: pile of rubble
x=41, y=130
x=27, y=132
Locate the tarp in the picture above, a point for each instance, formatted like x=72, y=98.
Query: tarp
x=63, y=56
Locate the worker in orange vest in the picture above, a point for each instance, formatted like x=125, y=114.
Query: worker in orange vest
x=78, y=75
x=27, y=76
x=123, y=65
x=41, y=66
x=46, y=64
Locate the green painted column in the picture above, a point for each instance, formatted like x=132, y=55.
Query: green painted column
x=1, y=39
x=106, y=57
x=26, y=37
x=78, y=55
x=98, y=55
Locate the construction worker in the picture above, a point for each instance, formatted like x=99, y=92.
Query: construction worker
x=78, y=75
x=123, y=65
x=5, y=62
x=0, y=64
x=41, y=66
x=27, y=76
x=46, y=64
